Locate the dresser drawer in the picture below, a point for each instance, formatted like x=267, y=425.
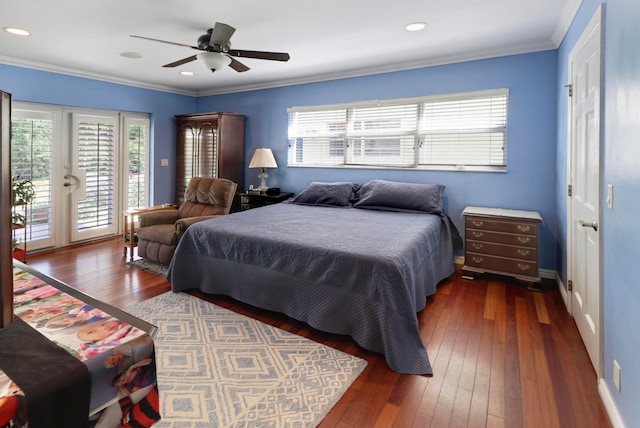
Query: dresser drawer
x=489, y=248
x=502, y=264
x=502, y=238
x=508, y=226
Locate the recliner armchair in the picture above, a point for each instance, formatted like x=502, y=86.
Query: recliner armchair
x=160, y=231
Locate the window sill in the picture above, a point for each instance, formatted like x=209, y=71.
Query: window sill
x=460, y=168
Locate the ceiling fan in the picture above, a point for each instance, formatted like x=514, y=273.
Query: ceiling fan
x=216, y=50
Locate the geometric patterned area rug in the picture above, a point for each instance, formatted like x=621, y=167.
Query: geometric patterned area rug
x=150, y=266
x=217, y=368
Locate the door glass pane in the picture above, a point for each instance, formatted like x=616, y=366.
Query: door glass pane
x=31, y=142
x=137, y=161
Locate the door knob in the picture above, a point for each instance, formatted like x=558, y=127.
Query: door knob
x=593, y=224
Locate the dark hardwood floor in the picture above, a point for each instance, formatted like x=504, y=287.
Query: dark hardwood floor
x=502, y=356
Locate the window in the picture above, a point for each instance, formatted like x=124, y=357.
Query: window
x=455, y=131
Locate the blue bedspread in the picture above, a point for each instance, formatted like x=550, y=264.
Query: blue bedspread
x=350, y=271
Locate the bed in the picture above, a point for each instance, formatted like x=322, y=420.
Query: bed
x=71, y=357
x=345, y=258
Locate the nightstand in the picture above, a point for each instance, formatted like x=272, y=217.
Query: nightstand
x=501, y=241
x=250, y=200
x=129, y=230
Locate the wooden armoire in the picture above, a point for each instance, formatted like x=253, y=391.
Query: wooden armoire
x=209, y=145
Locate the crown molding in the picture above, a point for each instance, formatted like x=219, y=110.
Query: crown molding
x=93, y=76
x=432, y=62
x=566, y=19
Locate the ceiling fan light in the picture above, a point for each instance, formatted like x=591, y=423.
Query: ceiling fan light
x=416, y=26
x=213, y=60
x=131, y=55
x=17, y=31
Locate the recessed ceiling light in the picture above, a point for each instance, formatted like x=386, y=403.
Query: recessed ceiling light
x=17, y=31
x=132, y=55
x=416, y=26
x=187, y=73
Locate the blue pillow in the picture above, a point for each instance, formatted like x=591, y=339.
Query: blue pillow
x=338, y=194
x=398, y=196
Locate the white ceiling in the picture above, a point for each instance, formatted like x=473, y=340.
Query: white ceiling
x=326, y=39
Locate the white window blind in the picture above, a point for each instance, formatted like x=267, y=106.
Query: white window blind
x=317, y=137
x=383, y=135
x=457, y=130
x=96, y=157
x=464, y=130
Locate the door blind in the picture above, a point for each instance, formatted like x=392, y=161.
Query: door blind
x=96, y=147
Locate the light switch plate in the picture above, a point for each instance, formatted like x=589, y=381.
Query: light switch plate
x=164, y=162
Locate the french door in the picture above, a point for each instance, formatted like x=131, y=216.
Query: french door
x=84, y=164
x=90, y=177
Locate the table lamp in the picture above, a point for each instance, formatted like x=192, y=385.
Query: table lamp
x=263, y=158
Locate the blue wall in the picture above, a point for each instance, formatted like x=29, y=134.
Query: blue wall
x=42, y=87
x=620, y=159
x=622, y=169
x=530, y=182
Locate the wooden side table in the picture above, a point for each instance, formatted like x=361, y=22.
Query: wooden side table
x=250, y=200
x=129, y=230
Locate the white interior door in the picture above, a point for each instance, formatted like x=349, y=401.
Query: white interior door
x=584, y=217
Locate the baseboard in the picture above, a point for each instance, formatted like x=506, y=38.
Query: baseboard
x=609, y=404
x=566, y=297
x=547, y=273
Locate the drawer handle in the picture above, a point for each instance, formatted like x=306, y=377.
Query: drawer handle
x=523, y=252
x=477, y=223
x=477, y=259
x=524, y=239
x=477, y=246
x=524, y=228
x=524, y=266
x=477, y=234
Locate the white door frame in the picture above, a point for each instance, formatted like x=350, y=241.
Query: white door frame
x=596, y=24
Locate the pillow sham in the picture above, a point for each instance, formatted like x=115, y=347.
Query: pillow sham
x=338, y=194
x=399, y=196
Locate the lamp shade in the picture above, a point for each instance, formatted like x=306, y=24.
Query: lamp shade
x=263, y=158
x=213, y=60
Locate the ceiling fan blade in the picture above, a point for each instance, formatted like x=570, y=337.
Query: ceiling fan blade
x=164, y=41
x=221, y=34
x=238, y=66
x=180, y=62
x=274, y=56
